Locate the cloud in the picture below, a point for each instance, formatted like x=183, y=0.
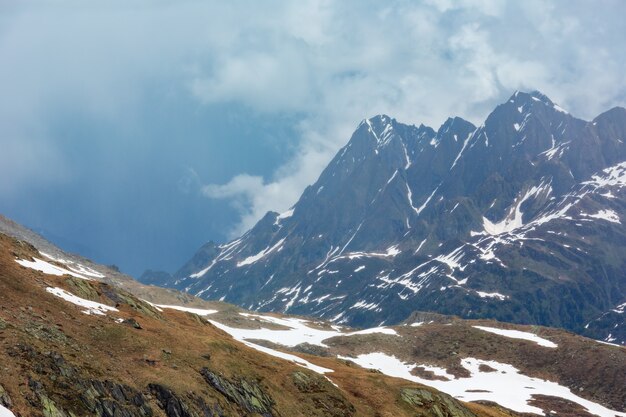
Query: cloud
x=324, y=64
x=416, y=62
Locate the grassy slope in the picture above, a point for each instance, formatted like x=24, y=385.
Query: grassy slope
x=52, y=354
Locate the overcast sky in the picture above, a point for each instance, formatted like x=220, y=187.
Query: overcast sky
x=134, y=131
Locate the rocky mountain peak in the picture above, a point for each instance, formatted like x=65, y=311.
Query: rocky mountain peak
x=479, y=222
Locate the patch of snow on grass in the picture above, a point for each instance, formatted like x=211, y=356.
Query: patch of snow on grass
x=198, y=311
x=91, y=307
x=383, y=330
x=608, y=343
x=76, y=267
x=516, y=334
x=240, y=336
x=506, y=386
x=296, y=331
x=5, y=412
x=48, y=268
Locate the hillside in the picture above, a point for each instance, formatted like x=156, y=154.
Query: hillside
x=75, y=345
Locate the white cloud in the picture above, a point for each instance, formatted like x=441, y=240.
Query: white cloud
x=418, y=63
x=332, y=63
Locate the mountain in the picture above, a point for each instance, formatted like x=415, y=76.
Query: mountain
x=74, y=344
x=519, y=220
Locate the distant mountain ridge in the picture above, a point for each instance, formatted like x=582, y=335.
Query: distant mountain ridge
x=519, y=219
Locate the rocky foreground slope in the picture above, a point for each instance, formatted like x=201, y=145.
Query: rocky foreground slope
x=74, y=345
x=521, y=219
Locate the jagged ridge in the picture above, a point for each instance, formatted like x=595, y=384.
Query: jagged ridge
x=516, y=219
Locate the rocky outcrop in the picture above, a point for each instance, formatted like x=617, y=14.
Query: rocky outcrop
x=246, y=394
x=327, y=401
x=176, y=406
x=436, y=405
x=5, y=399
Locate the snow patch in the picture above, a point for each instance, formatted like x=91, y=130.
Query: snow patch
x=517, y=334
x=198, y=311
x=48, y=268
x=76, y=267
x=364, y=306
x=91, y=307
x=513, y=220
x=612, y=176
x=5, y=412
x=236, y=334
x=383, y=330
x=495, y=295
x=608, y=215
x=286, y=214
x=254, y=258
x=393, y=251
x=507, y=386
x=295, y=332
x=620, y=309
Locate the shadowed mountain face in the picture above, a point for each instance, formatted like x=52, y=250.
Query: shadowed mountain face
x=519, y=219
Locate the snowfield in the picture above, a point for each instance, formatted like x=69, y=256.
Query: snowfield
x=292, y=358
x=506, y=386
x=297, y=331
